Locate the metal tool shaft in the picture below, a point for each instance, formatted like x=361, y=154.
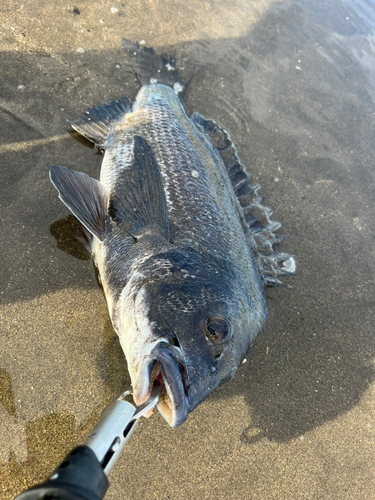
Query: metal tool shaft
x=116, y=426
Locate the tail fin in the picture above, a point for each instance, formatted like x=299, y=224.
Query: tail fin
x=148, y=65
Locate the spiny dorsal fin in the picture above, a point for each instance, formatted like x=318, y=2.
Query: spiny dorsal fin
x=84, y=196
x=256, y=215
x=95, y=122
x=139, y=204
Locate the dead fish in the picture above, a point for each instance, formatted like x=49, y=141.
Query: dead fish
x=183, y=244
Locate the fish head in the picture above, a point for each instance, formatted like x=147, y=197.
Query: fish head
x=196, y=320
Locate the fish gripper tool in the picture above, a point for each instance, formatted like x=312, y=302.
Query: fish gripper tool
x=83, y=474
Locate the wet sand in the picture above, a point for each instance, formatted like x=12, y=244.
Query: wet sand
x=293, y=82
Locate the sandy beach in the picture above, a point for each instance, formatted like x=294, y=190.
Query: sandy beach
x=294, y=83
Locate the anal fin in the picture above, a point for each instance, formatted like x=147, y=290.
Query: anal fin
x=84, y=196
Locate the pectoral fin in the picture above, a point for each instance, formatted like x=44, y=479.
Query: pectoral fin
x=96, y=122
x=138, y=203
x=84, y=196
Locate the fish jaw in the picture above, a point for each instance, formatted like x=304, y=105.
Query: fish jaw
x=164, y=363
x=173, y=403
x=151, y=357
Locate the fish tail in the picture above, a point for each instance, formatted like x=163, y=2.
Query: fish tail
x=150, y=67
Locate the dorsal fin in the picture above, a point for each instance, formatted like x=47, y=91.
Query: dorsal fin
x=84, y=196
x=95, y=122
x=138, y=203
x=256, y=215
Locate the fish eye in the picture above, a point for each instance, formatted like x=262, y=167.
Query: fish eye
x=217, y=329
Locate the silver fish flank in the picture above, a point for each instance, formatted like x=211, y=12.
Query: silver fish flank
x=183, y=244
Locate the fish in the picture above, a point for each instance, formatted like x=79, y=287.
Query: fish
x=182, y=241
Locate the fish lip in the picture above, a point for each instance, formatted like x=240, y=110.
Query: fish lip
x=171, y=365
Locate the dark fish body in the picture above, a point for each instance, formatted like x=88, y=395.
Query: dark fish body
x=182, y=242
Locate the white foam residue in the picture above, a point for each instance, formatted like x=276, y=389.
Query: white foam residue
x=153, y=80
x=169, y=67
x=177, y=87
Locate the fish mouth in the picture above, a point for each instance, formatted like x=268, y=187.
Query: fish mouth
x=166, y=365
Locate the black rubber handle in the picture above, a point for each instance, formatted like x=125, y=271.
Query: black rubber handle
x=80, y=476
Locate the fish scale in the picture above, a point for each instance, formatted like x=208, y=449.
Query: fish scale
x=182, y=241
